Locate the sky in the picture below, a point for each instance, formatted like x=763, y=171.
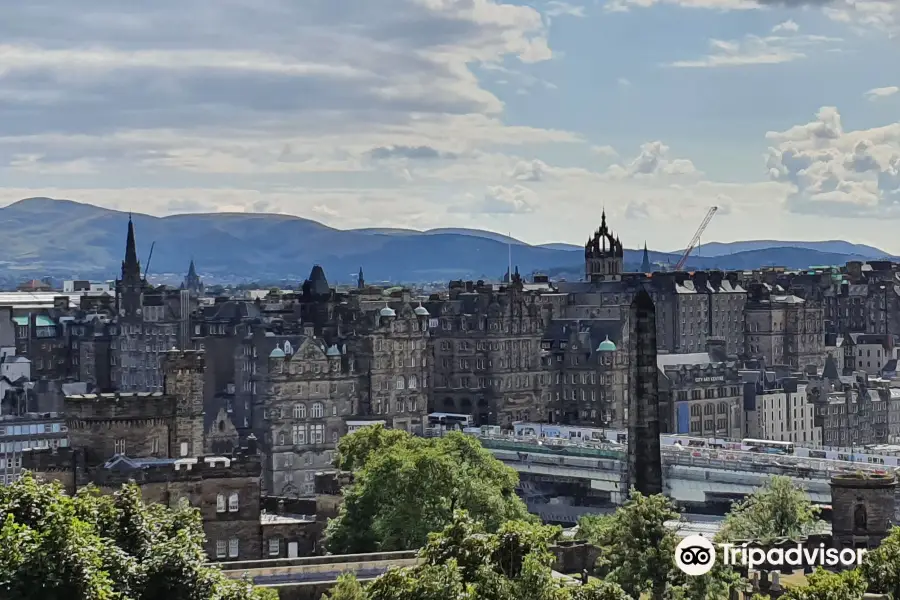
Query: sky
x=527, y=118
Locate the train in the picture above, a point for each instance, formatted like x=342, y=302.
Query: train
x=870, y=456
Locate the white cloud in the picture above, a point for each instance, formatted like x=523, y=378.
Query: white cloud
x=652, y=162
x=501, y=200
x=789, y=26
x=880, y=15
x=882, y=92
x=177, y=85
x=555, y=8
x=755, y=50
x=838, y=172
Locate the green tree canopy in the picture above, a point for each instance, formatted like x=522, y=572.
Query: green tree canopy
x=406, y=487
x=881, y=566
x=777, y=509
x=822, y=585
x=97, y=547
x=637, y=551
x=464, y=562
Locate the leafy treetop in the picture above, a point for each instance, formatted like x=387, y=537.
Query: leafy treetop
x=104, y=547
x=463, y=562
x=406, y=487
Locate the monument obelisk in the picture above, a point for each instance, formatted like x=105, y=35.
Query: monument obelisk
x=644, y=458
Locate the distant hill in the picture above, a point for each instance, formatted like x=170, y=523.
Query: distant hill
x=829, y=247
x=62, y=238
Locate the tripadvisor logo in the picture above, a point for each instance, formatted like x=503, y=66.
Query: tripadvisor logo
x=696, y=555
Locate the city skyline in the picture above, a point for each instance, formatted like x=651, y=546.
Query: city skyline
x=479, y=114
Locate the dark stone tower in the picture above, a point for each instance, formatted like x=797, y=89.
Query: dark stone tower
x=603, y=255
x=644, y=460
x=130, y=286
x=360, y=280
x=192, y=281
x=645, y=264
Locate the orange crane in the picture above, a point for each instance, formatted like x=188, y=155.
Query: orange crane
x=696, y=239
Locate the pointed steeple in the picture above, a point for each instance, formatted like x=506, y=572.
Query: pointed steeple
x=192, y=271
x=360, y=280
x=603, y=221
x=645, y=264
x=131, y=267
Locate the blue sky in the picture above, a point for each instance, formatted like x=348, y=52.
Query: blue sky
x=525, y=117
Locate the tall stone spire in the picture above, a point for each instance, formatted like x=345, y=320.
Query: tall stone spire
x=360, y=280
x=645, y=264
x=131, y=266
x=644, y=456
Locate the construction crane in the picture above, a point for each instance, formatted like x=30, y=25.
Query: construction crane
x=696, y=239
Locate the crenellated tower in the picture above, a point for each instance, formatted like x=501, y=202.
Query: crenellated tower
x=184, y=381
x=603, y=255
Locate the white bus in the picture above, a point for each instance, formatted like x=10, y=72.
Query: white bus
x=767, y=446
x=440, y=423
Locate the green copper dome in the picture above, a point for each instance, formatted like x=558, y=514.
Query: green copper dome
x=606, y=346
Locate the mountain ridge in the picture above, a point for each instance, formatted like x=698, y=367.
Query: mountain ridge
x=68, y=238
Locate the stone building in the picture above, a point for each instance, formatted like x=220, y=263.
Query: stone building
x=701, y=394
x=784, y=329
x=143, y=424
x=391, y=356
x=310, y=391
x=223, y=488
x=781, y=410
x=586, y=364
x=150, y=322
x=487, y=346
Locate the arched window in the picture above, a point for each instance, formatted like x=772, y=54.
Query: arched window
x=723, y=408
x=708, y=409
x=318, y=410
x=401, y=382
x=220, y=503
x=299, y=411
x=233, y=502
x=413, y=382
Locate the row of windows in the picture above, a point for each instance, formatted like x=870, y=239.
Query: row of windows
x=508, y=345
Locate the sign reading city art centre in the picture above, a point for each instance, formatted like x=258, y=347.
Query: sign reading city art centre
x=709, y=379
x=696, y=555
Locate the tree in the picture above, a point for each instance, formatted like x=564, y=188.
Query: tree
x=355, y=449
x=405, y=488
x=881, y=566
x=637, y=551
x=96, y=547
x=777, y=509
x=822, y=585
x=464, y=562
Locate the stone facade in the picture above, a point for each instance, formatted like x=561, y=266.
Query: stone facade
x=701, y=397
x=487, y=353
x=784, y=329
x=224, y=489
x=310, y=392
x=144, y=424
x=586, y=361
x=393, y=362
x=862, y=509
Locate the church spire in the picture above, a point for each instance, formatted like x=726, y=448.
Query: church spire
x=645, y=264
x=131, y=267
